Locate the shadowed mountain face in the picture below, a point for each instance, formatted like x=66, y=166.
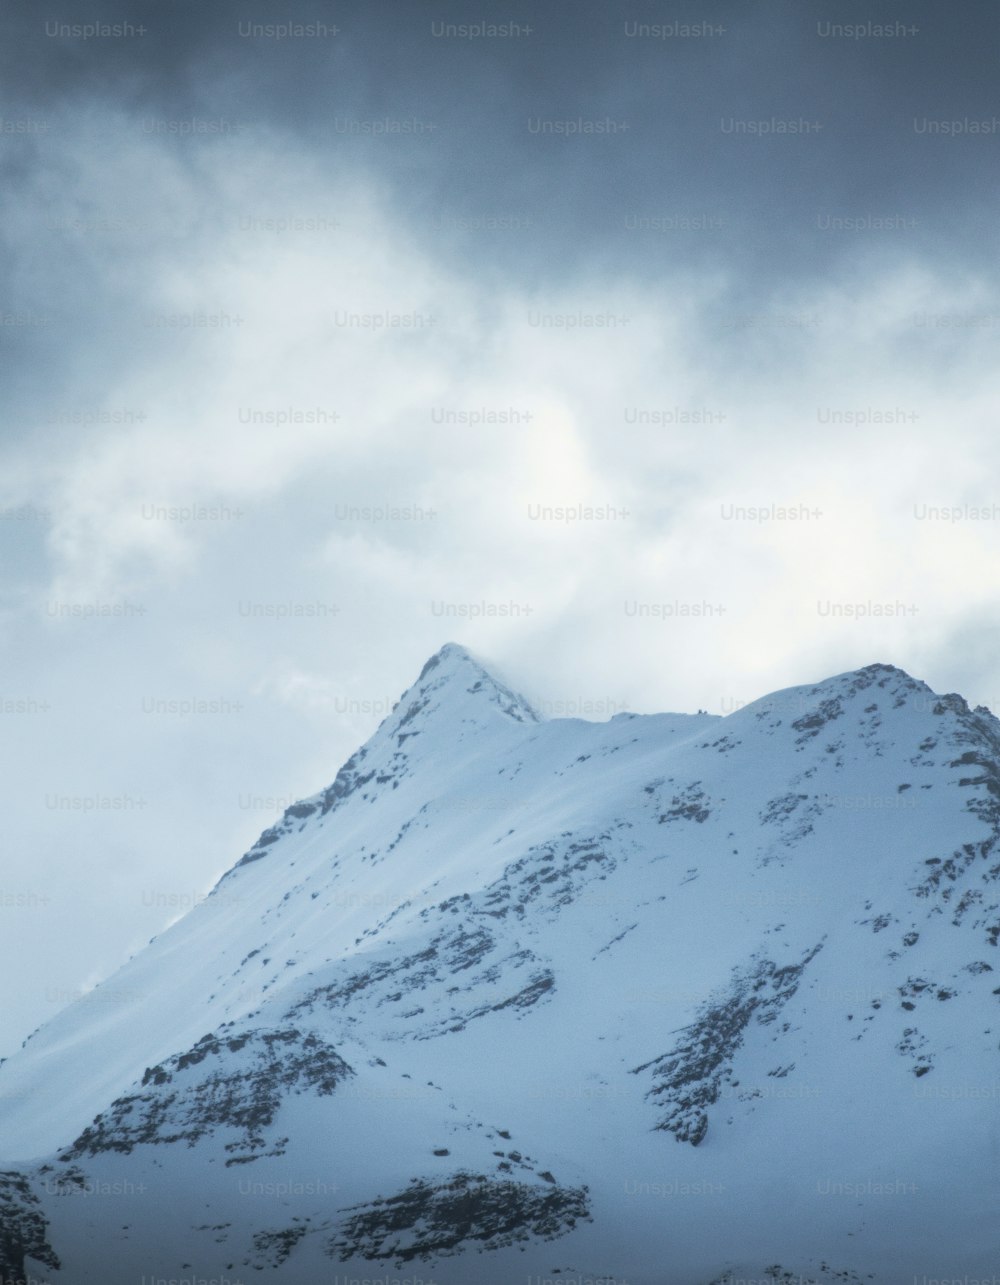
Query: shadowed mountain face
x=669, y=999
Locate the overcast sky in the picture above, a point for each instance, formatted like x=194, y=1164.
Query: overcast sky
x=669, y=332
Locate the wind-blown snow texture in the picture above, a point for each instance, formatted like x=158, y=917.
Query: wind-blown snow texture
x=669, y=1000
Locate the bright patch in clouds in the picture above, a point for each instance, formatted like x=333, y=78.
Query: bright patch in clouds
x=351, y=360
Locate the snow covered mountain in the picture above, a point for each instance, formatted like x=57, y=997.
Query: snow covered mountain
x=665, y=1000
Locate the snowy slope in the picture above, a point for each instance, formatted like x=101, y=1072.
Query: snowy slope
x=671, y=998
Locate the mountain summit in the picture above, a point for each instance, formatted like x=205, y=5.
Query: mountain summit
x=671, y=999
x=454, y=670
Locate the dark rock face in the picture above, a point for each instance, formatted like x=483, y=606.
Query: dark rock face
x=349, y=779
x=811, y=724
x=435, y=1218
x=963, y=884
x=779, y=1275
x=23, y=1230
x=552, y=875
x=464, y=972
x=272, y=1248
x=429, y=1220
x=690, y=1077
x=690, y=805
x=240, y=1082
x=436, y=984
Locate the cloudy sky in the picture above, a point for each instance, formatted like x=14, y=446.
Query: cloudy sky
x=647, y=349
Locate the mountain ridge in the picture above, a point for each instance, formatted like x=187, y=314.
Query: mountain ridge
x=534, y=976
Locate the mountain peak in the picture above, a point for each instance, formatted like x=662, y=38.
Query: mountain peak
x=453, y=694
x=876, y=682
x=453, y=654
x=453, y=672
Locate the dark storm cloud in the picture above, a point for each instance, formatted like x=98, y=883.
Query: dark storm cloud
x=670, y=181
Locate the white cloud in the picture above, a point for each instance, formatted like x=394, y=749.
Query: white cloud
x=686, y=349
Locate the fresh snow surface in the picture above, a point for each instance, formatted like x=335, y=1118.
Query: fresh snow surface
x=668, y=1000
